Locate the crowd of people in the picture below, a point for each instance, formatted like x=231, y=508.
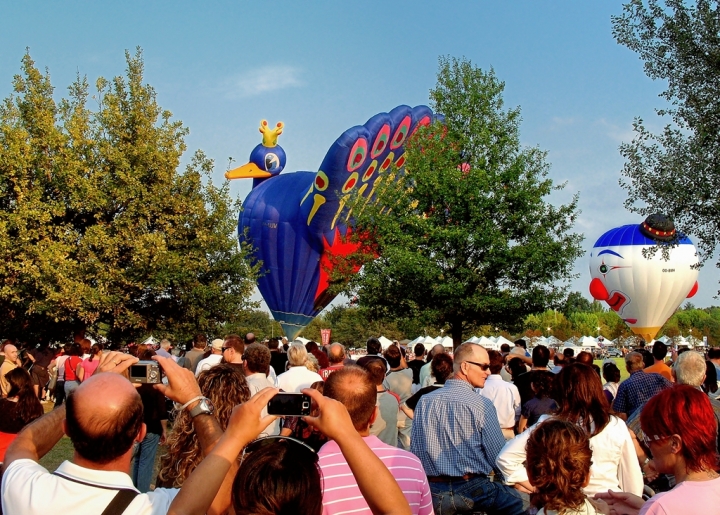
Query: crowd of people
x=396, y=431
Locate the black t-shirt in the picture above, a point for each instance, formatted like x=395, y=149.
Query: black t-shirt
x=278, y=361
x=412, y=401
x=154, y=408
x=523, y=384
x=415, y=365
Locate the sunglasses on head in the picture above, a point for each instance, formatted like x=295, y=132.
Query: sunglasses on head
x=265, y=441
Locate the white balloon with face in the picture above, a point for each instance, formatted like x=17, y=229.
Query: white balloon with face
x=643, y=292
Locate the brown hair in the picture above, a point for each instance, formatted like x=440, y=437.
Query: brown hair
x=376, y=369
x=393, y=356
x=226, y=387
x=234, y=341
x=21, y=386
x=353, y=387
x=558, y=460
x=580, y=398
x=441, y=367
x=257, y=357
x=497, y=360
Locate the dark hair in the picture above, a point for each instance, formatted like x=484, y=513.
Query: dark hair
x=21, y=386
x=419, y=350
x=257, y=357
x=281, y=478
x=441, y=367
x=273, y=343
x=648, y=359
x=74, y=350
x=200, y=341
x=516, y=367
x=393, y=356
x=580, y=397
x=249, y=338
x=710, y=384
x=85, y=346
x=558, y=460
x=96, y=349
x=584, y=357
x=714, y=353
x=568, y=353
x=373, y=346
x=145, y=354
x=497, y=361
x=353, y=387
x=685, y=411
x=234, y=341
x=611, y=373
x=540, y=356
x=376, y=369
x=311, y=346
x=521, y=343
x=542, y=382
x=659, y=350
x=102, y=443
x=505, y=348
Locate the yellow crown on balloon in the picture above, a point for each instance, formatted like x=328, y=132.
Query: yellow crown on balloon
x=270, y=136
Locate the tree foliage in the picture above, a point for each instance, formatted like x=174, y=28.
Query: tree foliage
x=677, y=171
x=467, y=236
x=98, y=227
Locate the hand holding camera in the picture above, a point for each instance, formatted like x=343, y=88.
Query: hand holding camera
x=182, y=386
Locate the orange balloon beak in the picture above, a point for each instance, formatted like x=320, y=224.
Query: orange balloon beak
x=247, y=171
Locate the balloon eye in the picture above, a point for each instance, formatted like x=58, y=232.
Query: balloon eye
x=603, y=269
x=272, y=162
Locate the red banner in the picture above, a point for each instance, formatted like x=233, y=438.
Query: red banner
x=325, y=335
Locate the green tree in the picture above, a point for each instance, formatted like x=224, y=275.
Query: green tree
x=99, y=228
x=467, y=236
x=677, y=171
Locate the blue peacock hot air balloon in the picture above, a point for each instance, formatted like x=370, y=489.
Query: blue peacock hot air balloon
x=298, y=222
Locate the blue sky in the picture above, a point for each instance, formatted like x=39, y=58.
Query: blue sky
x=323, y=66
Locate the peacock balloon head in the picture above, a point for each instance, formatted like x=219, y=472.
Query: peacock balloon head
x=266, y=160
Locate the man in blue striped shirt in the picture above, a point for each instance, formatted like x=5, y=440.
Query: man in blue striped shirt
x=457, y=437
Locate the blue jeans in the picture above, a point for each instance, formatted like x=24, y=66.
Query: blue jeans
x=70, y=387
x=143, y=464
x=476, y=495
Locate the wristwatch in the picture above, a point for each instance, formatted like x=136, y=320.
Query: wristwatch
x=204, y=407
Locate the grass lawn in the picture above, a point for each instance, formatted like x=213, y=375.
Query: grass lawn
x=620, y=362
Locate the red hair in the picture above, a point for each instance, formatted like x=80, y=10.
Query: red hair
x=686, y=411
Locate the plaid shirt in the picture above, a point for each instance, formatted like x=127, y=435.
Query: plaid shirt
x=456, y=432
x=636, y=390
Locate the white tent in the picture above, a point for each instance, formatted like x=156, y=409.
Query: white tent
x=302, y=340
x=501, y=339
x=150, y=341
x=587, y=342
x=474, y=339
x=384, y=342
x=488, y=343
x=552, y=341
x=419, y=339
x=429, y=343
x=446, y=342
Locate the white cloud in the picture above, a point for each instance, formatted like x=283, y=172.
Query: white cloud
x=616, y=133
x=262, y=80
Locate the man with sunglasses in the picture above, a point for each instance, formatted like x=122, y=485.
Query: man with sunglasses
x=457, y=436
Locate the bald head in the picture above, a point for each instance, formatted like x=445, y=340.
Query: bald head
x=11, y=352
x=104, y=417
x=336, y=353
x=353, y=387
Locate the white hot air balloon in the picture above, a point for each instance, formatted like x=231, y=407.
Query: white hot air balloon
x=644, y=292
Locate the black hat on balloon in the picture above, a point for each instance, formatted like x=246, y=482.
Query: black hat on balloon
x=659, y=228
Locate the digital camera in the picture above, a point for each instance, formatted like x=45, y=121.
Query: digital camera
x=146, y=372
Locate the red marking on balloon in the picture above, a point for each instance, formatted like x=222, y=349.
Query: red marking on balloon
x=386, y=163
x=319, y=182
x=617, y=301
x=630, y=320
x=350, y=183
x=694, y=290
x=400, y=161
x=358, y=158
x=598, y=290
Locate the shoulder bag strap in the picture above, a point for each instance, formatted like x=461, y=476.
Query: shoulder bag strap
x=120, y=502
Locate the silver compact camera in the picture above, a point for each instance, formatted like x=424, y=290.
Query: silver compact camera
x=146, y=372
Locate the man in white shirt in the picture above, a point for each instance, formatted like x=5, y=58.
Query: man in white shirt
x=104, y=420
x=213, y=359
x=256, y=362
x=504, y=396
x=298, y=376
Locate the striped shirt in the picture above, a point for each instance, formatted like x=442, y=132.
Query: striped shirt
x=341, y=493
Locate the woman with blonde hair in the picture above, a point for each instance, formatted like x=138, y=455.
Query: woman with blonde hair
x=226, y=387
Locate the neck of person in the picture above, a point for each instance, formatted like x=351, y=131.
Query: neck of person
x=540, y=368
x=120, y=464
x=397, y=369
x=681, y=473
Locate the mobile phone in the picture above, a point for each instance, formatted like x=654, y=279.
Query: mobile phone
x=289, y=405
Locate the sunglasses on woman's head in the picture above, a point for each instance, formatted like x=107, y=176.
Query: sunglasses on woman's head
x=263, y=442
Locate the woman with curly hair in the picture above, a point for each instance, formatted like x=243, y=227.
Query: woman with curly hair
x=226, y=387
x=581, y=401
x=558, y=466
x=19, y=408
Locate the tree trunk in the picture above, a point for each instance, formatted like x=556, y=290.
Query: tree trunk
x=456, y=332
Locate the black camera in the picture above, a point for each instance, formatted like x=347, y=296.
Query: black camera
x=289, y=405
x=146, y=372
